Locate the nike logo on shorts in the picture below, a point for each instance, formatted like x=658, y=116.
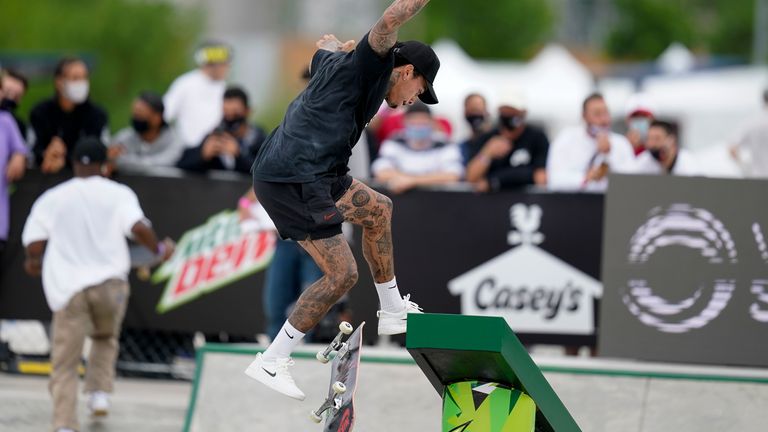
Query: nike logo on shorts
x=329, y=216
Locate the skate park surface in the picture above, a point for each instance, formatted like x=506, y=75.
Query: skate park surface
x=393, y=394
x=602, y=395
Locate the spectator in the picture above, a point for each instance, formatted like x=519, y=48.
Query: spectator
x=75, y=236
x=69, y=115
x=511, y=155
x=12, y=165
x=389, y=121
x=233, y=145
x=149, y=141
x=664, y=155
x=418, y=156
x=14, y=86
x=476, y=114
x=750, y=148
x=639, y=117
x=193, y=102
x=581, y=157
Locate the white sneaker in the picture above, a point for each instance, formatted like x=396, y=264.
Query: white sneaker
x=275, y=375
x=98, y=404
x=392, y=323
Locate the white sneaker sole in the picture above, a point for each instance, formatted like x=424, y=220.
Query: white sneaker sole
x=257, y=372
x=392, y=329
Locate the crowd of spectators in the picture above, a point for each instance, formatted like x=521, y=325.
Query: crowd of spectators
x=202, y=123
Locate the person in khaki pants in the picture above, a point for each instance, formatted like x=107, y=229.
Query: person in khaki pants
x=75, y=236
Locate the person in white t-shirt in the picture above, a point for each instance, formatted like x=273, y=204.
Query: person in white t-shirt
x=75, y=236
x=664, y=155
x=420, y=155
x=581, y=157
x=193, y=103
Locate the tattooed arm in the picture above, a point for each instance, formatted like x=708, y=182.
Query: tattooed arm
x=383, y=35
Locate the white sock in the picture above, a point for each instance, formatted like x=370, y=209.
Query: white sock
x=389, y=296
x=284, y=344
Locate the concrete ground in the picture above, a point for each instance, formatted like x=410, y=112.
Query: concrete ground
x=600, y=397
x=398, y=397
x=137, y=405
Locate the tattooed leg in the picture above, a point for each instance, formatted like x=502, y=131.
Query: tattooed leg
x=364, y=206
x=335, y=259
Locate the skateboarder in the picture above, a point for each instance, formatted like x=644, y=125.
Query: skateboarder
x=300, y=176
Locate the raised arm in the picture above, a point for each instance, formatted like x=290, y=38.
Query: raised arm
x=383, y=35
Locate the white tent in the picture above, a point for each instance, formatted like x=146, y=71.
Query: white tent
x=554, y=84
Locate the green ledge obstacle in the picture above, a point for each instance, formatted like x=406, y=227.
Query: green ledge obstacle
x=485, y=376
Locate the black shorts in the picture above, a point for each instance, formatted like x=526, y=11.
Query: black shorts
x=304, y=211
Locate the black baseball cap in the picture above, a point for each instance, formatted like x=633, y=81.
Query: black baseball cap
x=89, y=150
x=425, y=61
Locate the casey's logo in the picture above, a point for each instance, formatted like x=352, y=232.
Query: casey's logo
x=210, y=257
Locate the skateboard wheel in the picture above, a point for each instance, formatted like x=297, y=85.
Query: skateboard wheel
x=314, y=417
x=339, y=387
x=345, y=327
x=322, y=358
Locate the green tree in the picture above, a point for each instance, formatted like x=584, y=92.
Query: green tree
x=131, y=45
x=732, y=30
x=486, y=29
x=645, y=28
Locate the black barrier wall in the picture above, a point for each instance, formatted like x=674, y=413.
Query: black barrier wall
x=686, y=272
x=531, y=257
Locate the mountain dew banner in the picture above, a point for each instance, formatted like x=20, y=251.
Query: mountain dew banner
x=212, y=256
x=473, y=406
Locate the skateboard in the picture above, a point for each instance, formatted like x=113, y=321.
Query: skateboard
x=142, y=260
x=339, y=408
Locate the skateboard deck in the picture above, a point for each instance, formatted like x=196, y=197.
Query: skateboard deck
x=344, y=369
x=141, y=256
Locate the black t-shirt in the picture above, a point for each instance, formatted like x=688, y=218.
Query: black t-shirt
x=326, y=120
x=529, y=153
x=49, y=120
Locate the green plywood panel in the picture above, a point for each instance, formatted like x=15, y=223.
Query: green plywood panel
x=453, y=348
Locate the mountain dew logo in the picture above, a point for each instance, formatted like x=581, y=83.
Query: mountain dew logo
x=472, y=406
x=210, y=257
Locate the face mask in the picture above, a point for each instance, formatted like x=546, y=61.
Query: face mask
x=511, y=123
x=475, y=121
x=233, y=125
x=418, y=133
x=8, y=105
x=656, y=153
x=76, y=91
x=140, y=125
x=641, y=125
x=596, y=130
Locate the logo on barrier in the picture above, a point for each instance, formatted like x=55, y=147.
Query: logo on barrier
x=686, y=229
x=212, y=256
x=533, y=290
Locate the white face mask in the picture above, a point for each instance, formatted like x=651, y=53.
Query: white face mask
x=76, y=91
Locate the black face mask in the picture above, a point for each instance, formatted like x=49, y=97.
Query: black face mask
x=140, y=125
x=511, y=122
x=656, y=153
x=8, y=105
x=475, y=121
x=233, y=125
